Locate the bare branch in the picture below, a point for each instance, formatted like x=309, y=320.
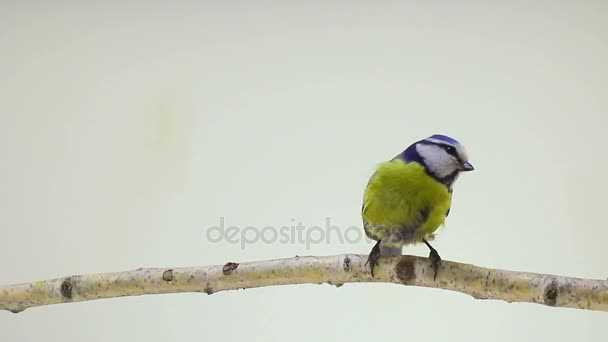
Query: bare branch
x=479, y=282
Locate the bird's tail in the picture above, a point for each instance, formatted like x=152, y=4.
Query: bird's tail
x=389, y=251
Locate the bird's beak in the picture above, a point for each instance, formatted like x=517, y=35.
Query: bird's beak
x=466, y=166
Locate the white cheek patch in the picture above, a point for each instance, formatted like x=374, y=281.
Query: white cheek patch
x=462, y=153
x=437, y=160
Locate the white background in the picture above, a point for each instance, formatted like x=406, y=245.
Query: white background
x=127, y=130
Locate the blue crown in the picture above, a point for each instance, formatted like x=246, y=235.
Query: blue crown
x=445, y=138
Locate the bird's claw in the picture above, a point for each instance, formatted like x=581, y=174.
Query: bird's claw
x=435, y=262
x=373, y=257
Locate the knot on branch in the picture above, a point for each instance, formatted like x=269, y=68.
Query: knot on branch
x=168, y=275
x=347, y=265
x=405, y=269
x=550, y=293
x=66, y=288
x=229, y=268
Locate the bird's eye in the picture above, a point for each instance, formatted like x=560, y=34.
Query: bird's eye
x=449, y=149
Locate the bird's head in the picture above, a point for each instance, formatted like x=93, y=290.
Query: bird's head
x=443, y=157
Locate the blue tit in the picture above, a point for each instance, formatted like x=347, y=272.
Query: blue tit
x=409, y=197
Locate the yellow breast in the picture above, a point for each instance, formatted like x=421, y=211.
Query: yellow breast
x=402, y=194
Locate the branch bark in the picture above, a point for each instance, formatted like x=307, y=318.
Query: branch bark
x=479, y=282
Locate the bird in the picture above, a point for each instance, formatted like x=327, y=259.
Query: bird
x=409, y=197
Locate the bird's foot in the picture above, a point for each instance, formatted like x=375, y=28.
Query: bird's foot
x=373, y=257
x=435, y=262
x=435, y=259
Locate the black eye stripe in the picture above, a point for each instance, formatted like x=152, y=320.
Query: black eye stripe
x=451, y=150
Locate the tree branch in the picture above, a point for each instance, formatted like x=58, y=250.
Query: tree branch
x=479, y=282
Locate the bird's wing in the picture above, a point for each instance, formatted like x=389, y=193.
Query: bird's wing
x=450, y=191
x=365, y=200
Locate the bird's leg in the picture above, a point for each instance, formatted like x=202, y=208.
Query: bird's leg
x=435, y=258
x=373, y=257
